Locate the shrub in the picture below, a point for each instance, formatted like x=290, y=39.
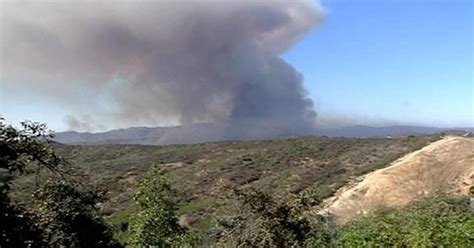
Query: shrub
x=259, y=220
x=156, y=222
x=68, y=216
x=443, y=221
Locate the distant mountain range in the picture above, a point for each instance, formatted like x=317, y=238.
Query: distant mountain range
x=199, y=133
x=368, y=131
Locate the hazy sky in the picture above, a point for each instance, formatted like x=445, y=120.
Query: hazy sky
x=371, y=62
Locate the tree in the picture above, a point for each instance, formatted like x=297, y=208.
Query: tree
x=64, y=214
x=156, y=222
x=26, y=148
x=68, y=215
x=21, y=150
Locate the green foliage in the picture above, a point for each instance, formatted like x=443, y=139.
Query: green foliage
x=260, y=220
x=382, y=230
x=63, y=216
x=433, y=222
x=155, y=223
x=278, y=167
x=18, y=228
x=68, y=215
x=298, y=171
x=20, y=150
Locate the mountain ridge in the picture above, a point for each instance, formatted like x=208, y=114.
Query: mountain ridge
x=203, y=132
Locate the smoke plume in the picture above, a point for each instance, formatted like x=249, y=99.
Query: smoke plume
x=148, y=62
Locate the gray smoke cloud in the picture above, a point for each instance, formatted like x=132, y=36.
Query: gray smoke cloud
x=142, y=62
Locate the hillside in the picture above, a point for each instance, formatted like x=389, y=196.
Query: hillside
x=212, y=132
x=202, y=173
x=446, y=165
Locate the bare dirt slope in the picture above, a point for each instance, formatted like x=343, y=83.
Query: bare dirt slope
x=446, y=165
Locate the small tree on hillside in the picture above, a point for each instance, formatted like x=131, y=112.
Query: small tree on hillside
x=156, y=222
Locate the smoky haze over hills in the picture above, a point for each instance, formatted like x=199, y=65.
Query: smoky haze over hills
x=187, y=62
x=199, y=133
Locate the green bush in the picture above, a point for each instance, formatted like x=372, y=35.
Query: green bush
x=68, y=216
x=259, y=220
x=18, y=228
x=441, y=221
x=156, y=222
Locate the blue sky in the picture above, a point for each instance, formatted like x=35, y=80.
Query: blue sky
x=392, y=62
x=374, y=62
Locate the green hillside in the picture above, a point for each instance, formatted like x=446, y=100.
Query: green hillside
x=203, y=174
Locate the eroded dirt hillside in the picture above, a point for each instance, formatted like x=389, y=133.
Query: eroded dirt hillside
x=446, y=165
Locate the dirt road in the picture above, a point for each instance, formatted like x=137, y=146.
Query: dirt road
x=446, y=165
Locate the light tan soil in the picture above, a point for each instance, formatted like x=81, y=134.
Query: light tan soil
x=446, y=165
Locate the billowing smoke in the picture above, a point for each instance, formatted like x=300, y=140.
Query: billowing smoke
x=149, y=62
